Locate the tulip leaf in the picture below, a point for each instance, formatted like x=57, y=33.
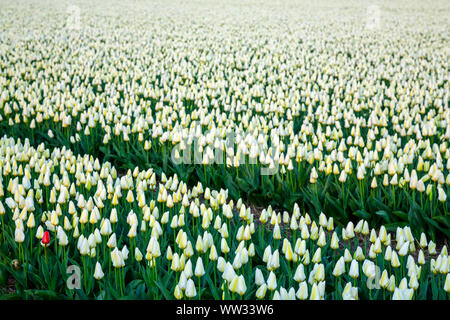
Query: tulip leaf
x=394, y=225
x=443, y=219
x=402, y=215
x=423, y=290
x=434, y=289
x=212, y=287
x=11, y=296
x=3, y=276
x=384, y=215
x=336, y=205
x=436, y=225
x=44, y=294
x=362, y=214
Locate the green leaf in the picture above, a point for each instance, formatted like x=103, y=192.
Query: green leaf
x=163, y=290
x=44, y=294
x=212, y=287
x=434, y=289
x=111, y=290
x=12, y=296
x=3, y=276
x=443, y=219
x=423, y=291
x=384, y=215
x=362, y=214
x=393, y=226
x=402, y=215
x=337, y=206
x=377, y=204
x=436, y=225
x=127, y=297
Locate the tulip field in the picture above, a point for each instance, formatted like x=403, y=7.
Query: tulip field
x=245, y=150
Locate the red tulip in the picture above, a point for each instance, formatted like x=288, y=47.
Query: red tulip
x=46, y=238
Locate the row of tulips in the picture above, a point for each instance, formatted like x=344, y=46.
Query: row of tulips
x=143, y=235
x=398, y=194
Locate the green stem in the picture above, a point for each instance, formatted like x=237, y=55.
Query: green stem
x=122, y=281
x=393, y=197
x=4, y=229
x=84, y=270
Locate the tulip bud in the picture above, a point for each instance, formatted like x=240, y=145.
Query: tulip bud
x=302, y=292
x=199, y=270
x=271, y=281
x=384, y=280
x=339, y=268
x=395, y=262
x=138, y=255
x=261, y=292
x=300, y=273
x=112, y=243
x=98, y=274
x=447, y=283
x=45, y=238
x=259, y=278
x=354, y=269
x=190, y=289
x=334, y=241
x=315, y=295
x=19, y=235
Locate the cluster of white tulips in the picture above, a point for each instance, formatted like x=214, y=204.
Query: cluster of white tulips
x=72, y=209
x=369, y=109
x=137, y=136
